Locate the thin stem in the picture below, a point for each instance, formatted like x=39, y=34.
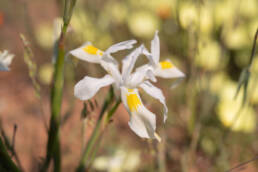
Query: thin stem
x=161, y=153
x=253, y=49
x=106, y=122
x=10, y=146
x=242, y=164
x=112, y=111
x=53, y=145
x=5, y=160
x=92, y=146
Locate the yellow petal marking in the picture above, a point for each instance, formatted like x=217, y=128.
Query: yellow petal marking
x=166, y=64
x=90, y=49
x=130, y=90
x=133, y=101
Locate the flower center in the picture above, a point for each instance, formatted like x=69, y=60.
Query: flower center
x=90, y=49
x=166, y=64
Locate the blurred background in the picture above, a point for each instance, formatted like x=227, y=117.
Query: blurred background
x=209, y=40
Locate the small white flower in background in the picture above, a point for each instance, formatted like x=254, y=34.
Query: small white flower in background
x=5, y=60
x=121, y=160
x=142, y=121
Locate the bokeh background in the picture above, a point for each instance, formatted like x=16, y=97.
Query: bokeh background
x=209, y=40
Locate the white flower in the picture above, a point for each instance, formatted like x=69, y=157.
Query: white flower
x=142, y=121
x=5, y=60
x=164, y=69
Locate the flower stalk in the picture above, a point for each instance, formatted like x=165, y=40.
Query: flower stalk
x=103, y=120
x=53, y=145
x=245, y=74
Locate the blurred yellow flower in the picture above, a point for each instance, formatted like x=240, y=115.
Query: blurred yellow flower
x=236, y=37
x=238, y=119
x=249, y=8
x=188, y=15
x=206, y=20
x=208, y=56
x=118, y=11
x=225, y=12
x=217, y=82
x=143, y=24
x=45, y=73
x=79, y=22
x=44, y=35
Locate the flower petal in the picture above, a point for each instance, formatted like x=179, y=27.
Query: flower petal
x=89, y=86
x=88, y=52
x=120, y=46
x=155, y=48
x=142, y=121
x=157, y=94
x=166, y=69
x=112, y=68
x=129, y=62
x=142, y=73
x=5, y=60
x=148, y=71
x=149, y=56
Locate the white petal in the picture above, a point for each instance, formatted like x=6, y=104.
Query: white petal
x=142, y=73
x=142, y=121
x=168, y=70
x=5, y=60
x=155, y=48
x=157, y=94
x=169, y=73
x=120, y=46
x=112, y=68
x=3, y=67
x=83, y=55
x=129, y=62
x=150, y=75
x=108, y=58
x=149, y=56
x=88, y=86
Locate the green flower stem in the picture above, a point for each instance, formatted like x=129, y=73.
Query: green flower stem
x=112, y=111
x=6, y=162
x=106, y=122
x=93, y=144
x=96, y=132
x=253, y=49
x=53, y=145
